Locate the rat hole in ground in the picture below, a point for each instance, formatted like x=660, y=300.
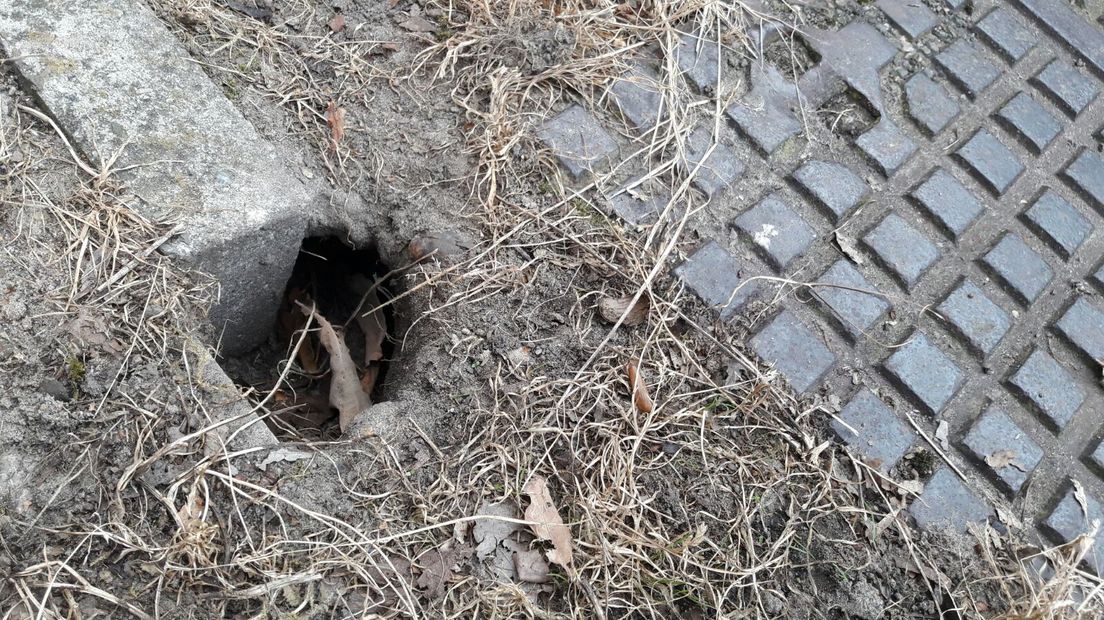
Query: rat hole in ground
x=327, y=355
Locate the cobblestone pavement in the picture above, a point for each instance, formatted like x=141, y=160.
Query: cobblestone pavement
x=967, y=186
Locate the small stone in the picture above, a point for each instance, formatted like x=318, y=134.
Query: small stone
x=55, y=388
x=929, y=104
x=967, y=67
x=990, y=161
x=15, y=310
x=902, y=249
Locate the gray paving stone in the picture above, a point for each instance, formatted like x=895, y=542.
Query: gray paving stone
x=718, y=171
x=840, y=67
x=954, y=4
x=1086, y=175
x=578, y=141
x=858, y=311
x=637, y=95
x=902, y=249
x=946, y=503
x=869, y=427
x=1097, y=456
x=967, y=66
x=1007, y=34
x=948, y=202
x=1058, y=223
x=638, y=206
x=1079, y=35
x=718, y=278
x=924, y=371
x=777, y=230
x=119, y=82
x=929, y=104
x=833, y=186
x=975, y=318
x=766, y=114
x=887, y=146
x=1070, y=89
x=1029, y=121
x=913, y=18
x=1018, y=267
x=996, y=437
x=991, y=162
x=697, y=59
x=796, y=351
x=1051, y=391
x=1069, y=520
x=1083, y=326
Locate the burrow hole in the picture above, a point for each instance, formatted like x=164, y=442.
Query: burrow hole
x=342, y=284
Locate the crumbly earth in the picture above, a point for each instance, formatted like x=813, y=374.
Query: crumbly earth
x=724, y=500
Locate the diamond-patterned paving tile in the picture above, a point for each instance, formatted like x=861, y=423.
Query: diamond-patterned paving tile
x=1058, y=223
x=718, y=278
x=1053, y=393
x=887, y=146
x=1007, y=33
x=858, y=311
x=796, y=351
x=913, y=18
x=578, y=141
x=697, y=59
x=948, y=202
x=991, y=161
x=946, y=503
x=1029, y=121
x=925, y=372
x=873, y=432
x=833, y=186
x=779, y=231
x=929, y=104
x=638, y=97
x=902, y=249
x=1073, y=517
x=766, y=114
x=720, y=169
x=1070, y=89
x=1018, y=267
x=975, y=318
x=1083, y=326
x=1006, y=451
x=1086, y=175
x=967, y=66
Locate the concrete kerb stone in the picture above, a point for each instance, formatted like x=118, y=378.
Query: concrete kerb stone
x=117, y=81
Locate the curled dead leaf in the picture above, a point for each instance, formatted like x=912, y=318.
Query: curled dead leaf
x=346, y=393
x=335, y=118
x=641, y=398
x=547, y=523
x=612, y=309
x=1003, y=458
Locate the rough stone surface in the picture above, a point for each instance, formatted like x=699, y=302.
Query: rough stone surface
x=967, y=66
x=929, y=104
x=870, y=428
x=925, y=372
x=1059, y=224
x=902, y=249
x=1083, y=325
x=795, y=350
x=638, y=97
x=577, y=139
x=990, y=161
x=1030, y=122
x=1070, y=89
x=946, y=503
x=845, y=296
x=832, y=185
x=777, y=230
x=718, y=168
x=718, y=278
x=1003, y=448
x=1019, y=267
x=975, y=317
x=1007, y=33
x=1086, y=174
x=698, y=60
x=1051, y=391
x=1070, y=28
x=948, y=202
x=1069, y=520
x=913, y=18
x=766, y=114
x=115, y=78
x=637, y=206
x=887, y=146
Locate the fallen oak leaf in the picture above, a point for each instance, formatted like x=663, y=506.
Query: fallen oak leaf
x=547, y=523
x=1003, y=458
x=346, y=394
x=612, y=309
x=639, y=391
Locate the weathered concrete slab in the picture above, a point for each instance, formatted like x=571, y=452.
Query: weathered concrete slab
x=116, y=79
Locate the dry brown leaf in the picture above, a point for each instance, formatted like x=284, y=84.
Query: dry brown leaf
x=547, y=524
x=1003, y=458
x=337, y=24
x=436, y=565
x=529, y=565
x=335, y=118
x=639, y=390
x=374, y=326
x=611, y=309
x=346, y=394
x=290, y=322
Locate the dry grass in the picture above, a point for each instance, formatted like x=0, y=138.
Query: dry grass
x=722, y=501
